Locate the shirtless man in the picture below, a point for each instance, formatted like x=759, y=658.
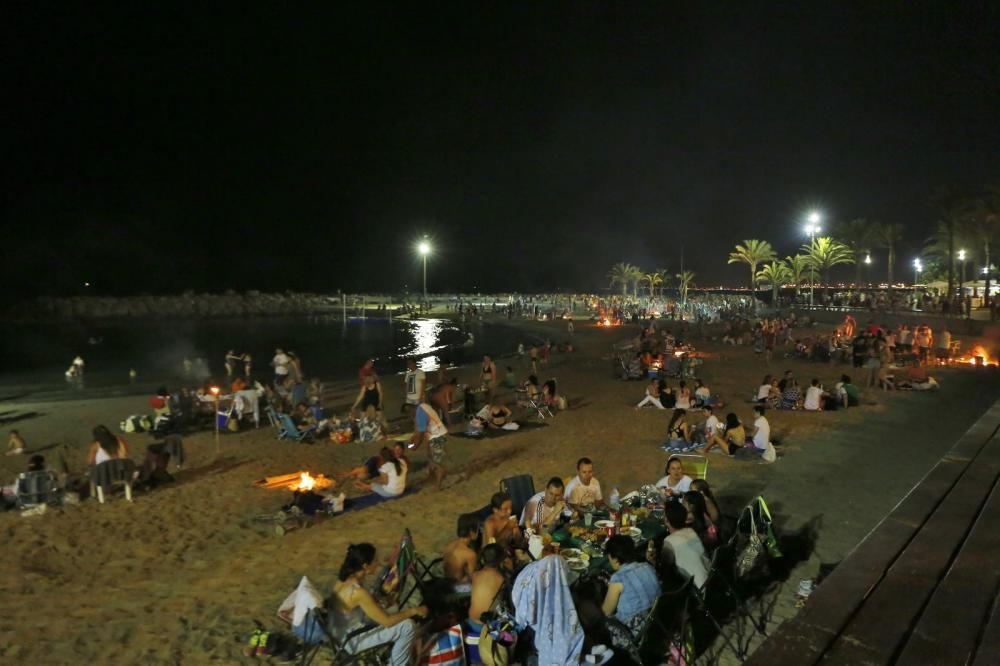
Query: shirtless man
x=15, y=444
x=501, y=525
x=487, y=582
x=459, y=557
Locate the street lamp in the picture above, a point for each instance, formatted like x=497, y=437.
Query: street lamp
x=812, y=228
x=424, y=248
x=917, y=269
x=961, y=286
x=214, y=390
x=868, y=263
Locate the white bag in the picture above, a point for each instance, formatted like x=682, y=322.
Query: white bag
x=301, y=601
x=769, y=455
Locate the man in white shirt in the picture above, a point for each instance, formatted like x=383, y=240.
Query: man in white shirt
x=814, y=397
x=584, y=490
x=761, y=429
x=280, y=364
x=543, y=510
x=682, y=546
x=414, y=381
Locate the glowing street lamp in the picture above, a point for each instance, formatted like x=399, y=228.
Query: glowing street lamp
x=812, y=228
x=917, y=270
x=424, y=248
x=961, y=287
x=214, y=390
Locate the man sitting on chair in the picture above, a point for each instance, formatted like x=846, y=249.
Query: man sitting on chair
x=542, y=511
x=583, y=490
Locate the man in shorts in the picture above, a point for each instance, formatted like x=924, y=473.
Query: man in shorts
x=429, y=428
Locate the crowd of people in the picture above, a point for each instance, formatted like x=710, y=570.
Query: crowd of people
x=493, y=570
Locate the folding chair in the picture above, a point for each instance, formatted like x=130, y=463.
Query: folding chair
x=407, y=565
x=288, y=430
x=521, y=488
x=119, y=470
x=37, y=488
x=666, y=636
x=319, y=632
x=539, y=407
x=272, y=417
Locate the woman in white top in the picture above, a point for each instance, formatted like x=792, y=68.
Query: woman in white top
x=675, y=481
x=764, y=389
x=391, y=481
x=105, y=447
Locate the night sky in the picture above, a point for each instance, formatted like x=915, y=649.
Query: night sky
x=248, y=147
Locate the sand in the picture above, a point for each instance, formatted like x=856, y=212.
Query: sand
x=179, y=575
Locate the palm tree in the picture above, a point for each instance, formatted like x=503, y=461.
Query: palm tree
x=621, y=273
x=859, y=236
x=824, y=253
x=888, y=235
x=652, y=280
x=664, y=279
x=798, y=270
x=685, y=280
x=635, y=276
x=984, y=226
x=775, y=274
x=752, y=252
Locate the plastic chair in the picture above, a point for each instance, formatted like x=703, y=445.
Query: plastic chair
x=119, y=470
x=36, y=488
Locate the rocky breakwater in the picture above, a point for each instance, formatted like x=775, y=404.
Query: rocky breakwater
x=186, y=305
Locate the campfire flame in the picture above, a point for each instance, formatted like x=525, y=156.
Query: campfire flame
x=606, y=322
x=980, y=351
x=306, y=482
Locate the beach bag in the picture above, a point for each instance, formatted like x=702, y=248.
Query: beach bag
x=369, y=430
x=761, y=540
x=295, y=610
x=770, y=454
x=496, y=642
x=448, y=649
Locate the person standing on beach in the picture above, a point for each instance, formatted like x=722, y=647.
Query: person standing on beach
x=231, y=360
x=78, y=364
x=570, y=328
x=414, y=382
x=365, y=370
x=488, y=376
x=280, y=364
x=429, y=428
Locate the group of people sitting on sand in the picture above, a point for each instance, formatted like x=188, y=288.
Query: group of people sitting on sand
x=493, y=573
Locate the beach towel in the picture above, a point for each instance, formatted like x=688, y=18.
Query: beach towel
x=490, y=433
x=542, y=601
x=371, y=499
x=447, y=649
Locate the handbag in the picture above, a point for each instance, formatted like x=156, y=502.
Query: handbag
x=448, y=649
x=496, y=642
x=750, y=556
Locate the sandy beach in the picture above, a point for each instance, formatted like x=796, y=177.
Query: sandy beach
x=178, y=576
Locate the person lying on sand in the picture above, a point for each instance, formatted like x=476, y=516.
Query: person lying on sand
x=459, y=558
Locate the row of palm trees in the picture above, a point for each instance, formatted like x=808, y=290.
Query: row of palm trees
x=818, y=256
x=628, y=275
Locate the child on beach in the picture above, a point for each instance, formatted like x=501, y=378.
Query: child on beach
x=15, y=444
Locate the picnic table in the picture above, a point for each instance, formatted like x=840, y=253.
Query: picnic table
x=651, y=528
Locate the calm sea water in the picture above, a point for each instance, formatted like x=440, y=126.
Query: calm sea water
x=34, y=358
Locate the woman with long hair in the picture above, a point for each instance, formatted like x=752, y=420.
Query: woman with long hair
x=699, y=519
x=106, y=446
x=391, y=481
x=353, y=608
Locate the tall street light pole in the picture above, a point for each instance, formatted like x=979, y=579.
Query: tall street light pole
x=812, y=228
x=961, y=286
x=424, y=248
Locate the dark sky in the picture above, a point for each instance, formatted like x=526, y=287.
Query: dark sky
x=537, y=143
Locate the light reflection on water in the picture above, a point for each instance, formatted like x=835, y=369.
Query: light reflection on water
x=425, y=342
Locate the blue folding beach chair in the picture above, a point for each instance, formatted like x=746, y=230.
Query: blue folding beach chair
x=288, y=430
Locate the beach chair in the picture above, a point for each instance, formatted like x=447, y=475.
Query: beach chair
x=409, y=567
x=109, y=472
x=36, y=488
x=319, y=632
x=537, y=406
x=272, y=417
x=288, y=430
x=521, y=488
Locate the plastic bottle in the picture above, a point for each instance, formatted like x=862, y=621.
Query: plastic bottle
x=613, y=501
